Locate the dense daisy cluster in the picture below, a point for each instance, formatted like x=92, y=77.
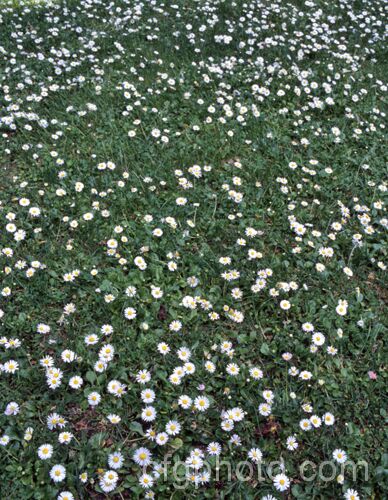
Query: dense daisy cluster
x=192, y=247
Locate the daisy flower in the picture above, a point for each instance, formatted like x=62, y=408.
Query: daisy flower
x=281, y=482
x=142, y=456
x=58, y=473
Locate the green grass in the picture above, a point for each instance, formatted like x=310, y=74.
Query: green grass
x=183, y=89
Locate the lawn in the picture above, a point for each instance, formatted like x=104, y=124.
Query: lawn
x=193, y=249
